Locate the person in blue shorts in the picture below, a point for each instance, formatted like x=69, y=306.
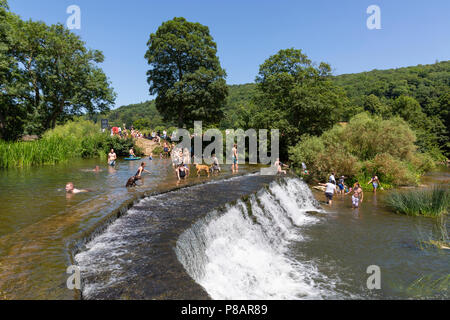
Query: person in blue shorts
x=375, y=183
x=341, y=185
x=112, y=158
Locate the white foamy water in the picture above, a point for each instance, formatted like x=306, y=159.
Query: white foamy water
x=243, y=252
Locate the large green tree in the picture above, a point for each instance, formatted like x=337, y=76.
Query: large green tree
x=185, y=73
x=296, y=96
x=13, y=111
x=47, y=76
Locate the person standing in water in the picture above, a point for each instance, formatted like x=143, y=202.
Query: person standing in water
x=235, y=166
x=141, y=170
x=358, y=196
x=375, y=183
x=181, y=172
x=341, y=185
x=332, y=179
x=330, y=190
x=112, y=158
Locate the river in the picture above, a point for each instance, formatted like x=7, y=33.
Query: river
x=241, y=236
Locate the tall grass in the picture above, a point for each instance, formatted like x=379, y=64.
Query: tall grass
x=76, y=139
x=427, y=202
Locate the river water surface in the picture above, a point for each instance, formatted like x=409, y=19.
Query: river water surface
x=241, y=236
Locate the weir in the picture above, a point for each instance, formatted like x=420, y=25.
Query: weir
x=241, y=251
x=134, y=258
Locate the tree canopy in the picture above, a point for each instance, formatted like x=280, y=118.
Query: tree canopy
x=296, y=96
x=50, y=77
x=185, y=73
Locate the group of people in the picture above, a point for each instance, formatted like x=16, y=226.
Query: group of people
x=125, y=133
x=332, y=187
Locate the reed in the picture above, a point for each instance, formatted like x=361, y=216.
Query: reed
x=432, y=202
x=76, y=139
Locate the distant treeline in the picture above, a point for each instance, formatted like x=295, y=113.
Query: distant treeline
x=419, y=94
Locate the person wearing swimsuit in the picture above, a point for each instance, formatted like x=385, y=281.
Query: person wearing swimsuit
x=235, y=166
x=357, y=196
x=375, y=183
x=141, y=169
x=181, y=172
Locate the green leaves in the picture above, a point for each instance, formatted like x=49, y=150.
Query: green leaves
x=297, y=96
x=185, y=73
x=52, y=77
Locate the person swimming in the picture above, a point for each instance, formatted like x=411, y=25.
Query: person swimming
x=72, y=190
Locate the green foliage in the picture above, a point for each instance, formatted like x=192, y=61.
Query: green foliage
x=129, y=114
x=48, y=76
x=429, y=202
x=419, y=94
x=366, y=146
x=157, y=150
x=185, y=73
x=75, y=139
x=296, y=97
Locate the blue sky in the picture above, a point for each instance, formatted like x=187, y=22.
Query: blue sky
x=248, y=31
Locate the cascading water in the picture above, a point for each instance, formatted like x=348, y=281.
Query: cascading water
x=242, y=252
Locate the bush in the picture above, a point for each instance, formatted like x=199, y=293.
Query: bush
x=366, y=146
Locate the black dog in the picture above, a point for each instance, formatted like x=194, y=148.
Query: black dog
x=132, y=181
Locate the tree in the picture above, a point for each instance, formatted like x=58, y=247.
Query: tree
x=63, y=77
x=47, y=76
x=185, y=73
x=296, y=97
x=13, y=112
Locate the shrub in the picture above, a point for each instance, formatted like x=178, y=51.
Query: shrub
x=366, y=146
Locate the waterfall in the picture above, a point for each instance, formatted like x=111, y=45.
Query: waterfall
x=242, y=251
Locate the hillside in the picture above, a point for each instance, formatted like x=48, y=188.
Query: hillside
x=429, y=85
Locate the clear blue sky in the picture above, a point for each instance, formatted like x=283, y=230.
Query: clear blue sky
x=248, y=31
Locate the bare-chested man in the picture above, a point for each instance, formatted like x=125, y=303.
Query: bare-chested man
x=112, y=158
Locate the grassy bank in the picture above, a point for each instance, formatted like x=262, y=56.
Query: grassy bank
x=428, y=202
x=76, y=139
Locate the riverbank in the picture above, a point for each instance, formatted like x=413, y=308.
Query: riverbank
x=74, y=140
